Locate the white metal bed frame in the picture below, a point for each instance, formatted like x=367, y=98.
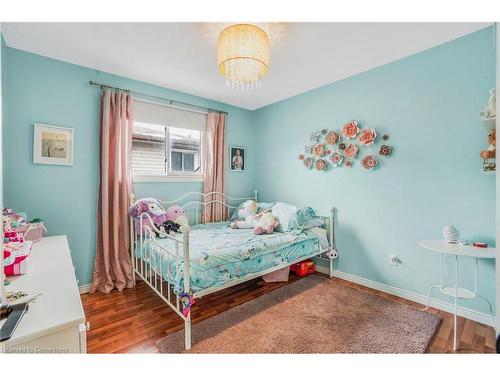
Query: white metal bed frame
x=163, y=286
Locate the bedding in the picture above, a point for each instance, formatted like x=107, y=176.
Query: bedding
x=219, y=254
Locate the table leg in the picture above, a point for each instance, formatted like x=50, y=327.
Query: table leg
x=455, y=346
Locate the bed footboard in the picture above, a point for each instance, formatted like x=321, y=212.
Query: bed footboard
x=158, y=266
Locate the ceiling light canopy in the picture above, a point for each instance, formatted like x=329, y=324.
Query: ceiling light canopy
x=243, y=56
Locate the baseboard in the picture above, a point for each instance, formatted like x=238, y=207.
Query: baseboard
x=85, y=288
x=412, y=296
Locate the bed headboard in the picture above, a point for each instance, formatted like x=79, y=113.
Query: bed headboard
x=194, y=204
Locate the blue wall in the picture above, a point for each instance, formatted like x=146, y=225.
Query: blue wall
x=48, y=91
x=428, y=103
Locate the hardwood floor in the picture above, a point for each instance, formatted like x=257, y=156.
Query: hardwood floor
x=133, y=320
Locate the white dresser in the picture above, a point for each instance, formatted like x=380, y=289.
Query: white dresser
x=55, y=322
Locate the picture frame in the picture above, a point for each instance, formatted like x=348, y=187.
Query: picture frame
x=237, y=159
x=52, y=144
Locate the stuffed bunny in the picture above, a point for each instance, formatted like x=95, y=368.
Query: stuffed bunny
x=263, y=222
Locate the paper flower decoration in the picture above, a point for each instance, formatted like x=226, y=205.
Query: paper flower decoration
x=351, y=150
x=314, y=137
x=348, y=163
x=369, y=162
x=337, y=159
x=301, y=157
x=308, y=162
x=385, y=150
x=332, y=138
x=318, y=150
x=341, y=146
x=320, y=164
x=351, y=129
x=307, y=150
x=324, y=131
x=367, y=137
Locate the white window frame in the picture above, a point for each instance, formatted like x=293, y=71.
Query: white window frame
x=174, y=176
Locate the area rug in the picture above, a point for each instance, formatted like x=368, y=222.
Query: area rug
x=312, y=315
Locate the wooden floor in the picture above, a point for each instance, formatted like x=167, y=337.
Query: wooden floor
x=133, y=320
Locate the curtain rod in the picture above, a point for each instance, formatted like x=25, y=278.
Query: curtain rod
x=171, y=101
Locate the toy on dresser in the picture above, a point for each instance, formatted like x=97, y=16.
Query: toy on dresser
x=16, y=247
x=262, y=222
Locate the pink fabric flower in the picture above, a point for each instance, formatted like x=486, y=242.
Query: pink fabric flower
x=351, y=129
x=308, y=162
x=320, y=164
x=369, y=162
x=318, y=150
x=337, y=158
x=351, y=151
x=367, y=137
x=332, y=138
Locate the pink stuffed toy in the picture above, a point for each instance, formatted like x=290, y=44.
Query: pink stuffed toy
x=150, y=206
x=178, y=216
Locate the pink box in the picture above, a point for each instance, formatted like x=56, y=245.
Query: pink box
x=278, y=276
x=20, y=251
x=31, y=231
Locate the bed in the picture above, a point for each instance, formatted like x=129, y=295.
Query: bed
x=219, y=256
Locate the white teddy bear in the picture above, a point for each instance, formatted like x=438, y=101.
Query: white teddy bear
x=264, y=222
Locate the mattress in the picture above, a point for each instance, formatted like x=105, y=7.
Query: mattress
x=219, y=254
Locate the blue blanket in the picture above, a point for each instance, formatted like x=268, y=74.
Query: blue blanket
x=219, y=254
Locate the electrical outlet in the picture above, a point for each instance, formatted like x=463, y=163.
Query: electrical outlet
x=393, y=260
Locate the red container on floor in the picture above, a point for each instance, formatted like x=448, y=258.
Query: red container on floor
x=303, y=268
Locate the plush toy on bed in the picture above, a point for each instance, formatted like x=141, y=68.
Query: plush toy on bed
x=262, y=222
x=168, y=226
x=177, y=215
x=150, y=206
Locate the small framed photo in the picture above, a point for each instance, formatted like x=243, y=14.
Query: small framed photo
x=52, y=145
x=237, y=155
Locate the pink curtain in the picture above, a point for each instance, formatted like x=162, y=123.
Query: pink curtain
x=113, y=267
x=215, y=166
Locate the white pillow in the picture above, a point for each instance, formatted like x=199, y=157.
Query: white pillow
x=287, y=216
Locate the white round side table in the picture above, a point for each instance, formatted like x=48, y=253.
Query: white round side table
x=455, y=291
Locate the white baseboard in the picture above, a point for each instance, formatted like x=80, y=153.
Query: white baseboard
x=412, y=296
x=85, y=288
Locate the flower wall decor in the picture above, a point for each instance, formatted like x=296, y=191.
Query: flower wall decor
x=369, y=162
x=340, y=148
x=367, y=137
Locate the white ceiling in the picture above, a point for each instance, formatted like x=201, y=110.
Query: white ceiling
x=181, y=56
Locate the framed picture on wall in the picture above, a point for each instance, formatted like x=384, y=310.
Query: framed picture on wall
x=52, y=145
x=237, y=158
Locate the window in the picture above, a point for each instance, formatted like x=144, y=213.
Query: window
x=166, y=143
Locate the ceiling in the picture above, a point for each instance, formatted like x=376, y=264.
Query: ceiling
x=181, y=56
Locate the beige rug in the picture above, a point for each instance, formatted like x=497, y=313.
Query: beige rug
x=312, y=315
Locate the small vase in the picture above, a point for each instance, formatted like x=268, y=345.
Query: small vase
x=450, y=233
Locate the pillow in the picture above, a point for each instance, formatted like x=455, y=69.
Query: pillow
x=295, y=217
x=287, y=216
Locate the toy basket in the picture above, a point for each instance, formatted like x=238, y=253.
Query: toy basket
x=32, y=231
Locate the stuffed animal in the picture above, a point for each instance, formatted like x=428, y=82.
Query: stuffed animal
x=490, y=111
x=178, y=216
x=153, y=208
x=490, y=152
x=263, y=222
x=168, y=226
